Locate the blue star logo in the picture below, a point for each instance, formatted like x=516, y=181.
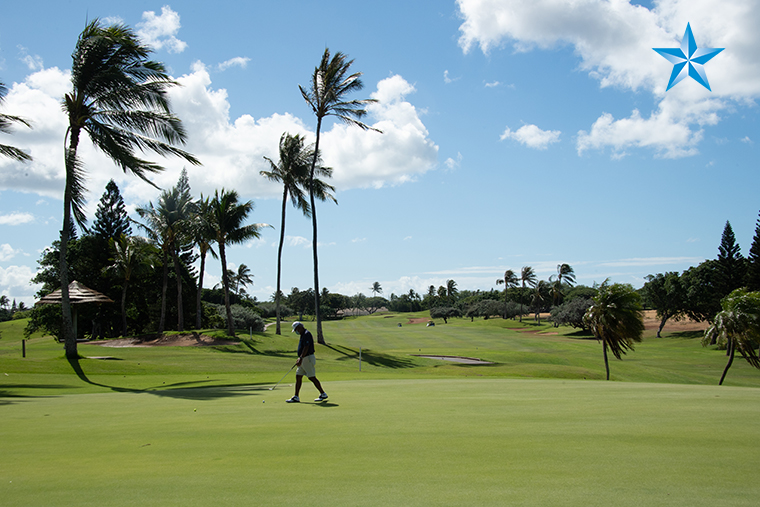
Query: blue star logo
x=688, y=60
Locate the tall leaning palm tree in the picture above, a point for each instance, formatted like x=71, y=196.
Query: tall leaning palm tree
x=293, y=171
x=331, y=83
x=227, y=218
x=510, y=281
x=527, y=276
x=737, y=326
x=6, y=123
x=616, y=319
x=119, y=100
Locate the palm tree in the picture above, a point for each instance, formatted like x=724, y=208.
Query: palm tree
x=510, y=281
x=737, y=326
x=169, y=225
x=376, y=288
x=527, y=275
x=616, y=319
x=119, y=99
x=566, y=275
x=6, y=122
x=330, y=85
x=227, y=217
x=131, y=256
x=538, y=299
x=451, y=291
x=202, y=235
x=242, y=277
x=293, y=171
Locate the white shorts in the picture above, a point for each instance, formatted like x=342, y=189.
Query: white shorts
x=308, y=366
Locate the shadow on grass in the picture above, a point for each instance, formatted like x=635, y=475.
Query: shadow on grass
x=686, y=335
x=172, y=391
x=372, y=358
x=8, y=398
x=251, y=349
x=581, y=335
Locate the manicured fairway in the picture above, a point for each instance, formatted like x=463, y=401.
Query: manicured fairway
x=189, y=426
x=386, y=442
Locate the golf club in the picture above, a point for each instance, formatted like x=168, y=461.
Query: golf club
x=283, y=378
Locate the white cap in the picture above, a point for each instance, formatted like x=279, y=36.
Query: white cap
x=295, y=325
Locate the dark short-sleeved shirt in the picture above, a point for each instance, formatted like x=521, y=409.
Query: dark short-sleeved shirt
x=306, y=343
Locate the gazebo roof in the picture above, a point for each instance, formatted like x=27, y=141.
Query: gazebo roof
x=78, y=294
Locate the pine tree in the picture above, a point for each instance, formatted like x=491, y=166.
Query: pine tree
x=753, y=261
x=731, y=263
x=111, y=218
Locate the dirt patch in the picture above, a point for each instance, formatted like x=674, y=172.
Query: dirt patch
x=652, y=322
x=418, y=321
x=174, y=340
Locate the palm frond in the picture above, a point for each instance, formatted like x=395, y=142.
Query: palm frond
x=6, y=123
x=76, y=187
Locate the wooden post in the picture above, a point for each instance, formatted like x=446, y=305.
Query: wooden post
x=360, y=359
x=23, y=348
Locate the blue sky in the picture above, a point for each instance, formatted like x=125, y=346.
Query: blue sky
x=514, y=133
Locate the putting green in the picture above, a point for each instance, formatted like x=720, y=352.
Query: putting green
x=386, y=442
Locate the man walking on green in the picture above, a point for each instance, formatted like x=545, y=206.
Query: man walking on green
x=306, y=363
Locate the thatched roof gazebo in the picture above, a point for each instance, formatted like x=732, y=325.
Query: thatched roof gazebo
x=78, y=294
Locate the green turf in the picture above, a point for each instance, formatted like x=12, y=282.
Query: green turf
x=386, y=442
x=187, y=426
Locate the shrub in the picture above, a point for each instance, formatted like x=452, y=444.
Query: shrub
x=245, y=318
x=445, y=313
x=269, y=310
x=571, y=313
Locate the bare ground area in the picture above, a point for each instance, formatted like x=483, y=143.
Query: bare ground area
x=652, y=322
x=174, y=340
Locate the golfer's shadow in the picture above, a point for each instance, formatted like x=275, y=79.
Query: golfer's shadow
x=325, y=404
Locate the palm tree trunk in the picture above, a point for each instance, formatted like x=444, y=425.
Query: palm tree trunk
x=69, y=338
x=731, y=350
x=124, y=309
x=198, y=306
x=162, y=319
x=178, y=274
x=606, y=361
x=320, y=336
x=279, y=259
x=226, y=284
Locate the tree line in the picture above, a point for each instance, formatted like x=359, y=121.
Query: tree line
x=696, y=293
x=137, y=271
x=119, y=101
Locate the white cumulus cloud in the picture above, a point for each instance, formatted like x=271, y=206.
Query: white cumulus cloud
x=238, y=61
x=15, y=280
x=532, y=136
x=17, y=218
x=7, y=252
x=159, y=31
x=232, y=150
x=613, y=41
